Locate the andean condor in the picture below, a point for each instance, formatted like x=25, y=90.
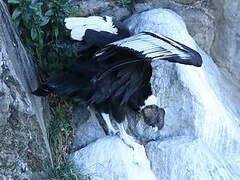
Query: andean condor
x=116, y=70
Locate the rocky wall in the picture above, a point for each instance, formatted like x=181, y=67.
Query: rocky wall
x=24, y=148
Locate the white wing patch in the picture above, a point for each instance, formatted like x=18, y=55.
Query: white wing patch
x=78, y=25
x=153, y=47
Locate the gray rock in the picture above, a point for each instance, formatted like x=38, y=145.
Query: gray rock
x=102, y=7
x=24, y=148
x=185, y=158
x=88, y=129
x=119, y=13
x=109, y=158
x=90, y=7
x=225, y=49
x=198, y=18
x=200, y=26
x=188, y=2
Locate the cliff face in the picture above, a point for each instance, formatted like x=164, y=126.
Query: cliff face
x=24, y=149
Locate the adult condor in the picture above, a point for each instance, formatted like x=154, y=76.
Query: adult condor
x=114, y=73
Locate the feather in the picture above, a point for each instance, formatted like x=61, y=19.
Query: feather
x=118, y=65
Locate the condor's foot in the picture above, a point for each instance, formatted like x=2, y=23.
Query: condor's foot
x=127, y=139
x=121, y=133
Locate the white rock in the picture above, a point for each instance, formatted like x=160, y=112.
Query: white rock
x=183, y=158
x=110, y=159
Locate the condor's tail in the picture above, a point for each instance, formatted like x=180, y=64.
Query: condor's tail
x=75, y=82
x=42, y=90
x=66, y=84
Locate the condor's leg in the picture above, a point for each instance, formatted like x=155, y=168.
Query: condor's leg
x=110, y=129
x=119, y=115
x=127, y=139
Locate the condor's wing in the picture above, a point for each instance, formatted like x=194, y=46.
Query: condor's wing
x=151, y=47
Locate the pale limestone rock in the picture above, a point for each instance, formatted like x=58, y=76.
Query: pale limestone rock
x=109, y=159
x=184, y=158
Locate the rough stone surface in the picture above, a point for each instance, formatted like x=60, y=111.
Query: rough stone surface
x=90, y=7
x=104, y=7
x=188, y=2
x=196, y=14
x=119, y=12
x=194, y=160
x=109, y=158
x=88, y=129
x=24, y=149
x=225, y=49
x=196, y=105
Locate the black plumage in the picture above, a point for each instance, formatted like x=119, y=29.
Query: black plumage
x=116, y=76
x=108, y=85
